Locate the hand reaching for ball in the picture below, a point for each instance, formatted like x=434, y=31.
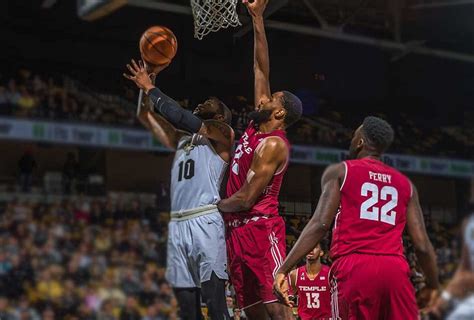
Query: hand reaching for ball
x=153, y=70
x=140, y=74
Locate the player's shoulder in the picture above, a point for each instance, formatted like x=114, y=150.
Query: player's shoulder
x=274, y=145
x=335, y=170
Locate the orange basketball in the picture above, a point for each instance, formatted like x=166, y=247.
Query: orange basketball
x=158, y=45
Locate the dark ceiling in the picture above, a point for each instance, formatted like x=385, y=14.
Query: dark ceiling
x=56, y=38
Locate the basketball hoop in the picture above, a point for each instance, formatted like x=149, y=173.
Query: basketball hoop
x=213, y=15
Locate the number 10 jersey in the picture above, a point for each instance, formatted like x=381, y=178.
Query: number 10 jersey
x=372, y=212
x=196, y=174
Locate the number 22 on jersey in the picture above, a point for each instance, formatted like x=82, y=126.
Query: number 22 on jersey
x=370, y=208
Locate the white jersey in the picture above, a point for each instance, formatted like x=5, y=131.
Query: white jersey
x=469, y=240
x=196, y=174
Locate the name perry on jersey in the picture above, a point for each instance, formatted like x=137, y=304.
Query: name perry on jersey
x=381, y=177
x=312, y=288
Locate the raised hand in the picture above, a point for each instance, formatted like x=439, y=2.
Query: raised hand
x=255, y=8
x=154, y=69
x=139, y=75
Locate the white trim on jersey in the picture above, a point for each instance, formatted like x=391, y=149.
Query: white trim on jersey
x=251, y=305
x=345, y=176
x=296, y=279
x=334, y=300
x=275, y=251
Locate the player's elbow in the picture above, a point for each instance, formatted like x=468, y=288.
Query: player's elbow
x=246, y=202
x=246, y=205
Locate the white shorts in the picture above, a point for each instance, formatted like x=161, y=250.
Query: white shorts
x=464, y=310
x=196, y=248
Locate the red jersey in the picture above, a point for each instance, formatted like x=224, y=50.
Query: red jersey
x=314, y=296
x=372, y=211
x=267, y=203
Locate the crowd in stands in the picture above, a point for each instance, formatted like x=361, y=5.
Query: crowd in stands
x=83, y=260
x=41, y=96
x=104, y=259
x=29, y=95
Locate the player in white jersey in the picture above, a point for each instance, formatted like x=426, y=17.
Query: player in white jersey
x=457, y=300
x=196, y=257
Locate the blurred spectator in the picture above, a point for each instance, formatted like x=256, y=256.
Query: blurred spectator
x=130, y=310
x=163, y=197
x=70, y=173
x=5, y=311
x=4, y=102
x=26, y=102
x=26, y=166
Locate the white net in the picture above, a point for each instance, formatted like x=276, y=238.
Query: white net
x=213, y=15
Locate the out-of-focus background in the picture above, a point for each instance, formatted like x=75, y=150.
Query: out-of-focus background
x=84, y=189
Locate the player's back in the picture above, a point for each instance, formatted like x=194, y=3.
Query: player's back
x=372, y=212
x=314, y=295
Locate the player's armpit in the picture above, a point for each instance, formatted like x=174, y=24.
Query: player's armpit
x=270, y=157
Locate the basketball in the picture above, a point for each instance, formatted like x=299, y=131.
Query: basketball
x=158, y=45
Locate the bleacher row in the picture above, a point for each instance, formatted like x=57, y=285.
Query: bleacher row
x=60, y=98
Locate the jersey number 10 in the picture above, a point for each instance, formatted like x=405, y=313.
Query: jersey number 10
x=186, y=170
x=369, y=209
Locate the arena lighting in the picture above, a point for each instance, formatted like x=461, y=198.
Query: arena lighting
x=91, y=10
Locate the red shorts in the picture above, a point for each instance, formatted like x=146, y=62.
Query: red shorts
x=255, y=251
x=367, y=286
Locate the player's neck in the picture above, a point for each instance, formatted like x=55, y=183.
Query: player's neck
x=270, y=126
x=313, y=268
x=368, y=154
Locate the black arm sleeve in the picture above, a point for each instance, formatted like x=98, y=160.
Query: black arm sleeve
x=173, y=112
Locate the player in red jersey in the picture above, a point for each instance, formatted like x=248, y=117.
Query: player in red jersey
x=311, y=283
x=373, y=201
x=255, y=232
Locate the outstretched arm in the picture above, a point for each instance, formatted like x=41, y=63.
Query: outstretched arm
x=180, y=118
x=316, y=228
x=161, y=129
x=261, y=65
x=270, y=156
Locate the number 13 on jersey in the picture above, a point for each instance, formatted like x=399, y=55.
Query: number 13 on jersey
x=313, y=300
